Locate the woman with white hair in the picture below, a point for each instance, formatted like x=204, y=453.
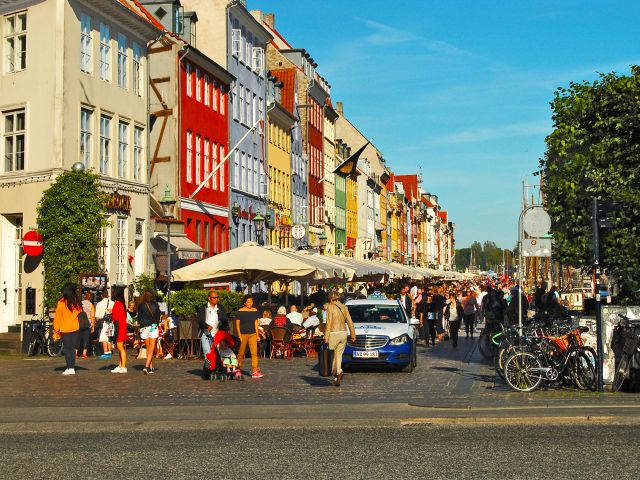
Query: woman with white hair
x=335, y=334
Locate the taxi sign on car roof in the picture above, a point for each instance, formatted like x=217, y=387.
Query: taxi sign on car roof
x=377, y=296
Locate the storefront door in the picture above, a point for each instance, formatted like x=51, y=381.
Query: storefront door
x=10, y=270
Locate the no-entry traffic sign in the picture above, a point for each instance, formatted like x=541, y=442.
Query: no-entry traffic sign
x=32, y=243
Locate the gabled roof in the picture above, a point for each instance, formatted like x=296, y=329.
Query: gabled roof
x=144, y=13
x=288, y=78
x=410, y=183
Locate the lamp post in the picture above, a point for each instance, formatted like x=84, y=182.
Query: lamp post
x=168, y=203
x=258, y=223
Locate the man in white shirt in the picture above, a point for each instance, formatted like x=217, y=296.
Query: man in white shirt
x=295, y=316
x=104, y=308
x=211, y=318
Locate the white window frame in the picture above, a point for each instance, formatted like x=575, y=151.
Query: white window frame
x=236, y=42
x=189, y=159
x=258, y=60
x=122, y=240
x=248, y=47
x=86, y=135
x=123, y=61
x=243, y=171
x=236, y=169
x=15, y=42
x=137, y=71
x=188, y=72
x=222, y=100
x=198, y=84
x=214, y=94
x=247, y=106
x=256, y=175
x=241, y=104
x=11, y=159
x=221, y=169
x=214, y=157
x=138, y=152
x=207, y=161
x=86, y=44
x=105, y=143
x=123, y=148
x=234, y=103
x=198, y=159
x=207, y=90
x=105, y=52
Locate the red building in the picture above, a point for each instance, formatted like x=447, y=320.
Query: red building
x=204, y=143
x=315, y=151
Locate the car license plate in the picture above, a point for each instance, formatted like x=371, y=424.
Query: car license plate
x=365, y=354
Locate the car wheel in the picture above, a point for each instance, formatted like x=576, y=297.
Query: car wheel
x=408, y=368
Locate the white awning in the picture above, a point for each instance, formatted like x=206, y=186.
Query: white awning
x=182, y=246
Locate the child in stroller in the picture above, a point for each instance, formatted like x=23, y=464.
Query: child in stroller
x=222, y=359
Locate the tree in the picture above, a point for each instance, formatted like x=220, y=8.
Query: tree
x=70, y=215
x=594, y=152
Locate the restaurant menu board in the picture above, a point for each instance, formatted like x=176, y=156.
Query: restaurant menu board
x=95, y=283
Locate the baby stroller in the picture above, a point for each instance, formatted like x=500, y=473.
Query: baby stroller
x=222, y=367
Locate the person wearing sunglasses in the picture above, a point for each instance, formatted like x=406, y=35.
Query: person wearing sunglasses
x=211, y=318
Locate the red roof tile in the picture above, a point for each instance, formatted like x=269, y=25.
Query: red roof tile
x=410, y=183
x=288, y=78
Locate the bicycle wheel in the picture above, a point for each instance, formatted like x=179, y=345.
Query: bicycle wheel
x=33, y=346
x=501, y=359
x=54, y=349
x=586, y=376
x=523, y=372
x=621, y=373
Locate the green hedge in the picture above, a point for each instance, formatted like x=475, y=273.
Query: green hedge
x=186, y=302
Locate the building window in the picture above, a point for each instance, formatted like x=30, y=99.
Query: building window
x=189, y=156
x=215, y=95
x=241, y=104
x=247, y=106
x=85, y=43
x=123, y=148
x=207, y=160
x=138, y=157
x=207, y=243
x=198, y=141
x=221, y=169
x=234, y=103
x=236, y=42
x=260, y=109
x=236, y=169
x=207, y=90
x=14, y=140
x=121, y=251
x=255, y=110
x=247, y=47
x=243, y=171
x=85, y=137
x=223, y=100
x=197, y=236
x=122, y=61
x=105, y=143
x=198, y=84
x=214, y=155
x=104, y=245
x=256, y=175
x=188, y=80
x=105, y=53
x=137, y=70
x=15, y=41
x=258, y=60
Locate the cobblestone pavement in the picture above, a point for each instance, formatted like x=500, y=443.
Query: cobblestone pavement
x=444, y=377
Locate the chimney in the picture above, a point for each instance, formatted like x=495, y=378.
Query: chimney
x=339, y=108
x=270, y=19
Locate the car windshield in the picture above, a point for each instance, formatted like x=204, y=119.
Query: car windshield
x=376, y=313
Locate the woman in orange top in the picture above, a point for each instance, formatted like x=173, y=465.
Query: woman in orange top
x=65, y=324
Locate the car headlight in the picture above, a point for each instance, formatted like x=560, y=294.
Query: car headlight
x=401, y=340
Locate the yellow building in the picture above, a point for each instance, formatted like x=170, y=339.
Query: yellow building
x=352, y=215
x=280, y=121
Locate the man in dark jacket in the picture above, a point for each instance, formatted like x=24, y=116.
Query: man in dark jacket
x=406, y=301
x=211, y=318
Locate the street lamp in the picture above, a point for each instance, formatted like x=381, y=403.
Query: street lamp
x=235, y=211
x=258, y=222
x=168, y=204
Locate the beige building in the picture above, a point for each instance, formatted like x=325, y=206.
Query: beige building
x=72, y=89
x=330, y=163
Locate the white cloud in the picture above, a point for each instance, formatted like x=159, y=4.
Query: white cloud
x=384, y=34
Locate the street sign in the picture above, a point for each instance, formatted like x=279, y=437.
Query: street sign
x=297, y=232
x=32, y=243
x=536, y=247
x=536, y=222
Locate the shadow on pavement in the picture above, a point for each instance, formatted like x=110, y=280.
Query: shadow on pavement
x=316, y=381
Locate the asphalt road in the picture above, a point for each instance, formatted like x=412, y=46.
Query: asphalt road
x=165, y=450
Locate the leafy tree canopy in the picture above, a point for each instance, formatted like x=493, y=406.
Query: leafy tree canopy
x=70, y=216
x=594, y=152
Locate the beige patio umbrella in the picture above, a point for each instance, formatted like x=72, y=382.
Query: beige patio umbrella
x=249, y=262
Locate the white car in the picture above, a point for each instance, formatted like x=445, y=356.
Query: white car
x=385, y=335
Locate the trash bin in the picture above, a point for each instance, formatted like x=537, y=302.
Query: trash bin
x=28, y=327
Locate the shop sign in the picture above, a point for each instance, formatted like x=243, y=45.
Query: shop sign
x=119, y=202
x=297, y=232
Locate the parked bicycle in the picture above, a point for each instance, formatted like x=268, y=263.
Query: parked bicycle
x=42, y=339
x=553, y=359
x=625, y=342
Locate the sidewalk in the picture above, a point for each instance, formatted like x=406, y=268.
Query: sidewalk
x=444, y=379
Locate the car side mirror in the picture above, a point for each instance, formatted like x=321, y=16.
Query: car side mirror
x=414, y=321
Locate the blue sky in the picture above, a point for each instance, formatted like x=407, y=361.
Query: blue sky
x=461, y=88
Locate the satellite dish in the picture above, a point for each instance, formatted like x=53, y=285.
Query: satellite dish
x=536, y=222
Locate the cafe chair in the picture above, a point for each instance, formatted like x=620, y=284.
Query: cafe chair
x=279, y=346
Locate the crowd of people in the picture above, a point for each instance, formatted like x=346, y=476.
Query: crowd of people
x=443, y=309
